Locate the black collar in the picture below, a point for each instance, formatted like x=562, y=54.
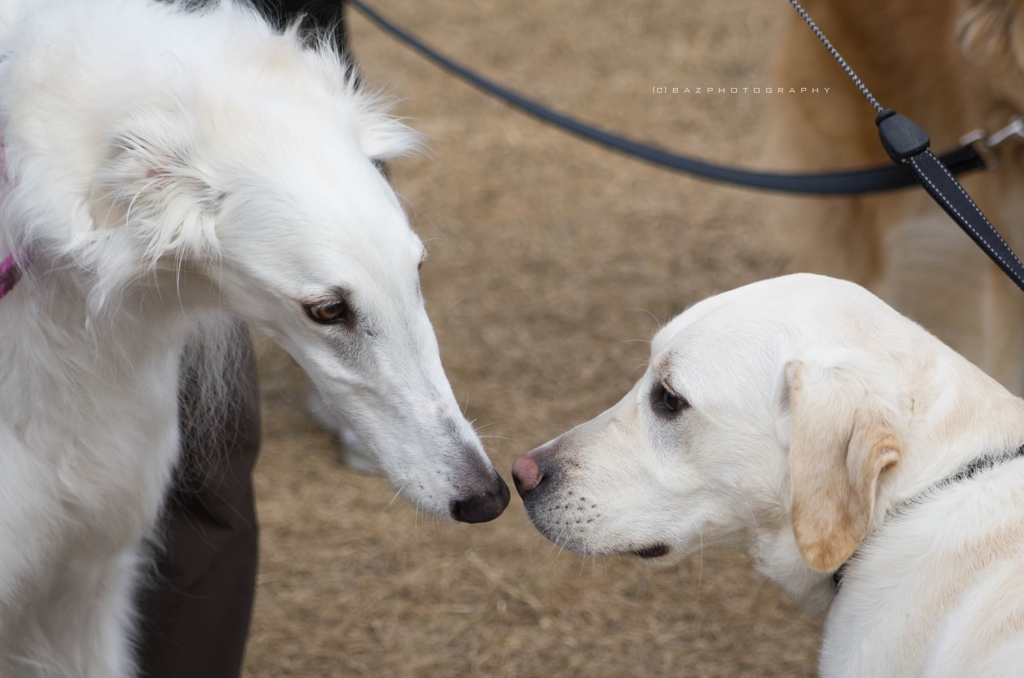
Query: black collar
x=967, y=472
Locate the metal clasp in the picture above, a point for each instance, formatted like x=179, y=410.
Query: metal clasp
x=1014, y=128
x=984, y=143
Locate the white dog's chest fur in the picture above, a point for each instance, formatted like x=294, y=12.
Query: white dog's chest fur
x=89, y=482
x=112, y=477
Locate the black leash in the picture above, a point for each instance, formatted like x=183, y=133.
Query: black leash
x=871, y=180
x=904, y=141
x=907, y=145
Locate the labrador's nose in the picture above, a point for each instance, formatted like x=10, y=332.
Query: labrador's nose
x=530, y=470
x=526, y=474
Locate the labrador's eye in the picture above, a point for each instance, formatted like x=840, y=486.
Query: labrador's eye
x=665, y=402
x=330, y=312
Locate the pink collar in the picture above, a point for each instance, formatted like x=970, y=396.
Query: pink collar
x=10, y=274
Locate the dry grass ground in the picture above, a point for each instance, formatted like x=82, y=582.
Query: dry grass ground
x=551, y=264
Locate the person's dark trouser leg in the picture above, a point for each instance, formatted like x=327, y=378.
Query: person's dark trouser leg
x=195, y=614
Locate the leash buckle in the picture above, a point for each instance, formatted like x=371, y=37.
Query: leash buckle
x=1015, y=128
x=985, y=144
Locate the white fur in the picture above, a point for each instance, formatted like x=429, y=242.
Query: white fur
x=934, y=588
x=166, y=167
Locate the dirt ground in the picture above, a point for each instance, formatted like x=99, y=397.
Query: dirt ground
x=552, y=263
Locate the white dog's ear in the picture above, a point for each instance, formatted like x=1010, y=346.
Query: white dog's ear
x=151, y=181
x=382, y=137
x=844, y=431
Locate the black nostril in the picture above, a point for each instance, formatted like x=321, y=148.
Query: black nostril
x=482, y=507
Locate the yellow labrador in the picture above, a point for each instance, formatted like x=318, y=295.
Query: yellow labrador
x=864, y=466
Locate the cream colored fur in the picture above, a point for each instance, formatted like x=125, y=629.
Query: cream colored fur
x=816, y=428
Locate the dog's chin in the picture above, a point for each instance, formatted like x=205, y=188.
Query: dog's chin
x=657, y=554
x=653, y=552
x=661, y=554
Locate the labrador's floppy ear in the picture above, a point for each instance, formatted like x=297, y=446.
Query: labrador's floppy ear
x=845, y=429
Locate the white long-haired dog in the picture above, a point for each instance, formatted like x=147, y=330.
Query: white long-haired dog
x=162, y=166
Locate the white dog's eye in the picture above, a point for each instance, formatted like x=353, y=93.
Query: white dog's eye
x=665, y=402
x=330, y=312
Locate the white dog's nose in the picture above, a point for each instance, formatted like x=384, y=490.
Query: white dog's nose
x=482, y=507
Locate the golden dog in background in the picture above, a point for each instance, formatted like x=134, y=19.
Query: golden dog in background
x=952, y=66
